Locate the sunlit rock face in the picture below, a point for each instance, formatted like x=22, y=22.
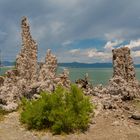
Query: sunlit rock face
x=47, y=74
x=124, y=80
x=26, y=62
x=48, y=69
x=123, y=64
x=63, y=79
x=28, y=78
x=123, y=85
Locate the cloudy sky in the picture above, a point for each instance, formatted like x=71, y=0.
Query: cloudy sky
x=75, y=30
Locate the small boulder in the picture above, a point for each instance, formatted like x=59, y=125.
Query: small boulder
x=136, y=116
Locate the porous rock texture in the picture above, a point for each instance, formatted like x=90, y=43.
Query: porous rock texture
x=26, y=62
x=123, y=85
x=124, y=80
x=29, y=78
x=85, y=85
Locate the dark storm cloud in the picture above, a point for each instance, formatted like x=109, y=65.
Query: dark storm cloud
x=56, y=22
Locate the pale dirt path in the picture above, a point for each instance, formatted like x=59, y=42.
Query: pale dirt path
x=10, y=129
x=106, y=127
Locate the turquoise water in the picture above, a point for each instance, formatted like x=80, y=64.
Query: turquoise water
x=96, y=75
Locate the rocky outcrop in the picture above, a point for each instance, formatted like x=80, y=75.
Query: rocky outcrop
x=26, y=63
x=47, y=73
x=123, y=85
x=124, y=80
x=85, y=85
x=63, y=79
x=1, y=80
x=28, y=78
x=48, y=69
x=17, y=81
x=123, y=64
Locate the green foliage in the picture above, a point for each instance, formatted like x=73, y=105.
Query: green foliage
x=61, y=111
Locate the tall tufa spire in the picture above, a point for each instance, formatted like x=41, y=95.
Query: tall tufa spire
x=27, y=59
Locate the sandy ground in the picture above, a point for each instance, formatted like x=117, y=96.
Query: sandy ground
x=107, y=125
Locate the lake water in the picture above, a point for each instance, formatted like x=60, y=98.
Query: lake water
x=96, y=75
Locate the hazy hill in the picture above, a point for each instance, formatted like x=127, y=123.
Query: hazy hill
x=75, y=65
x=7, y=63
x=86, y=65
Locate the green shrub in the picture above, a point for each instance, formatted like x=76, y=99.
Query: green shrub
x=61, y=111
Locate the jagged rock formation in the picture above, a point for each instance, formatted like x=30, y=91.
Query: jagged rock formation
x=63, y=79
x=48, y=69
x=28, y=79
x=123, y=64
x=123, y=85
x=48, y=79
x=26, y=62
x=85, y=85
x=47, y=73
x=123, y=81
x=16, y=81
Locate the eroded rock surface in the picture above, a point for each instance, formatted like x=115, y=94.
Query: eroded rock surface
x=123, y=85
x=26, y=62
x=124, y=80
x=28, y=78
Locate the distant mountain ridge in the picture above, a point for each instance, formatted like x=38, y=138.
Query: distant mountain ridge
x=7, y=63
x=86, y=65
x=89, y=65
x=75, y=65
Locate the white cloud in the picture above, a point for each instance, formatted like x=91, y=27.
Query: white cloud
x=74, y=51
x=111, y=44
x=136, y=54
x=91, y=53
x=68, y=42
x=57, y=22
x=94, y=53
x=133, y=44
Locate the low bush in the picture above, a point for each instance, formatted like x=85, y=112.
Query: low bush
x=61, y=111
